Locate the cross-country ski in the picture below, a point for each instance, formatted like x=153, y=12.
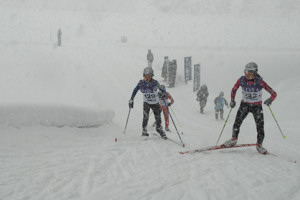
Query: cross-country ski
x=216, y=148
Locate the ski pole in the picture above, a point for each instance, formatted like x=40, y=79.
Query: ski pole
x=174, y=123
x=176, y=117
x=127, y=120
x=223, y=126
x=277, y=123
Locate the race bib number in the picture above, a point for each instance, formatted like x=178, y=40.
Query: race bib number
x=151, y=98
x=252, y=97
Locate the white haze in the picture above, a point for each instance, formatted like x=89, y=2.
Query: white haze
x=49, y=93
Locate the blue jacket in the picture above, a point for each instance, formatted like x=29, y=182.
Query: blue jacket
x=219, y=103
x=150, y=91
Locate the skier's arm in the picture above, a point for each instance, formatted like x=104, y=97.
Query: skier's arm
x=269, y=89
x=136, y=89
x=170, y=98
x=235, y=88
x=163, y=91
x=226, y=103
x=216, y=100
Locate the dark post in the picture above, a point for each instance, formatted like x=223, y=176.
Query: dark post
x=196, y=77
x=59, y=33
x=187, y=69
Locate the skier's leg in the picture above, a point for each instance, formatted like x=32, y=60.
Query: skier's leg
x=221, y=114
x=146, y=109
x=216, y=114
x=156, y=111
x=259, y=121
x=166, y=116
x=240, y=116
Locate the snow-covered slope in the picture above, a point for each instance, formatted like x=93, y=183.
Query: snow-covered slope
x=53, y=115
x=88, y=81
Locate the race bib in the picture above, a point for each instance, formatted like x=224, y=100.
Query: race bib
x=252, y=97
x=151, y=98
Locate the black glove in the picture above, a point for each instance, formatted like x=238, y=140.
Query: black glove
x=232, y=103
x=268, y=102
x=169, y=104
x=130, y=103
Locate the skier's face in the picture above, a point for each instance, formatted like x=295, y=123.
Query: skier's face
x=249, y=75
x=147, y=78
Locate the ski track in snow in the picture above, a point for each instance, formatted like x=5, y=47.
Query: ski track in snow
x=138, y=167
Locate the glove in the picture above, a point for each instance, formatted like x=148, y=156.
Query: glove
x=268, y=102
x=232, y=103
x=169, y=104
x=130, y=103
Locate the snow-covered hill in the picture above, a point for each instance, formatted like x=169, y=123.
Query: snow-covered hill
x=47, y=91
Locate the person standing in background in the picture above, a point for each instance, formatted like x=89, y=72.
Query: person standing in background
x=59, y=34
x=202, y=95
x=219, y=105
x=164, y=71
x=150, y=58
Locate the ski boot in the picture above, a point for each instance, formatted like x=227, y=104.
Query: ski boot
x=167, y=129
x=216, y=115
x=231, y=142
x=201, y=110
x=144, y=133
x=161, y=132
x=261, y=149
x=163, y=136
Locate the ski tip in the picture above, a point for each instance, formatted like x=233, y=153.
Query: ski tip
x=183, y=152
x=116, y=139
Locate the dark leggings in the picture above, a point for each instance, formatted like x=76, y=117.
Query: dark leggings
x=258, y=115
x=156, y=111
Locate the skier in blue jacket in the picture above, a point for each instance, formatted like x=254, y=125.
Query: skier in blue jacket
x=150, y=88
x=219, y=105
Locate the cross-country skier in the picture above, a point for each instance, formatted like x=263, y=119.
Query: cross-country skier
x=219, y=105
x=252, y=84
x=202, y=95
x=163, y=98
x=150, y=88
